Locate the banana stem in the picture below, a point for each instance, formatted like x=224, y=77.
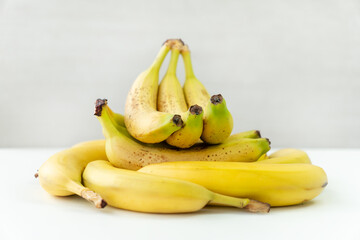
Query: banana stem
x=160, y=57
x=93, y=197
x=248, y=204
x=87, y=194
x=173, y=61
x=189, y=72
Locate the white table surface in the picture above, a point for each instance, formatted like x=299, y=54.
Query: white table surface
x=28, y=212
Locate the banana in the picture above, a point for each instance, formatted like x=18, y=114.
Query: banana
x=143, y=192
x=195, y=92
x=125, y=152
x=60, y=175
x=286, y=155
x=218, y=122
x=142, y=119
x=276, y=184
x=118, y=119
x=171, y=99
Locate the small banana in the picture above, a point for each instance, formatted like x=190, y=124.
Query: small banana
x=60, y=175
x=286, y=155
x=143, y=192
x=125, y=152
x=142, y=119
x=218, y=122
x=171, y=99
x=195, y=92
x=119, y=120
x=276, y=184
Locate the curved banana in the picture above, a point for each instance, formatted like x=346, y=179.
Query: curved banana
x=147, y=193
x=171, y=99
x=60, y=175
x=195, y=92
x=142, y=120
x=276, y=184
x=124, y=152
x=218, y=122
x=286, y=155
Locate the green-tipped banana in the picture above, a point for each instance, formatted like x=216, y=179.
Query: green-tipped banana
x=125, y=152
x=142, y=119
x=171, y=99
x=143, y=192
x=218, y=122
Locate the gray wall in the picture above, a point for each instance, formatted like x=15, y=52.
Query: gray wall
x=288, y=68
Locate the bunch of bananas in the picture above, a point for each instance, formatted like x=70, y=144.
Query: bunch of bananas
x=152, y=158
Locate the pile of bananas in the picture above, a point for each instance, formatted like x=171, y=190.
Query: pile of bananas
x=152, y=158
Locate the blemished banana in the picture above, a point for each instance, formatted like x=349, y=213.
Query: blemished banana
x=276, y=184
x=125, y=152
x=286, y=155
x=61, y=174
x=218, y=122
x=143, y=192
x=142, y=119
x=119, y=120
x=171, y=99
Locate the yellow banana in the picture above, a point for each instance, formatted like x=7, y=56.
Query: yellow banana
x=142, y=120
x=147, y=193
x=60, y=175
x=276, y=184
x=171, y=99
x=195, y=92
x=286, y=155
x=218, y=122
x=124, y=152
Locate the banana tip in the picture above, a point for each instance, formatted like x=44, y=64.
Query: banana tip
x=268, y=140
x=103, y=203
x=216, y=99
x=196, y=109
x=98, y=106
x=177, y=120
x=258, y=133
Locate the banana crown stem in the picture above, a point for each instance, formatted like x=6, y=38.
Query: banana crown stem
x=160, y=57
x=189, y=72
x=173, y=61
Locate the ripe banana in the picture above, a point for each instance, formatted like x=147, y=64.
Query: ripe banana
x=195, y=92
x=60, y=175
x=286, y=155
x=276, y=184
x=171, y=99
x=218, y=122
x=125, y=152
x=147, y=193
x=142, y=119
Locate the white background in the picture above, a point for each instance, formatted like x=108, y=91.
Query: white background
x=28, y=212
x=288, y=68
